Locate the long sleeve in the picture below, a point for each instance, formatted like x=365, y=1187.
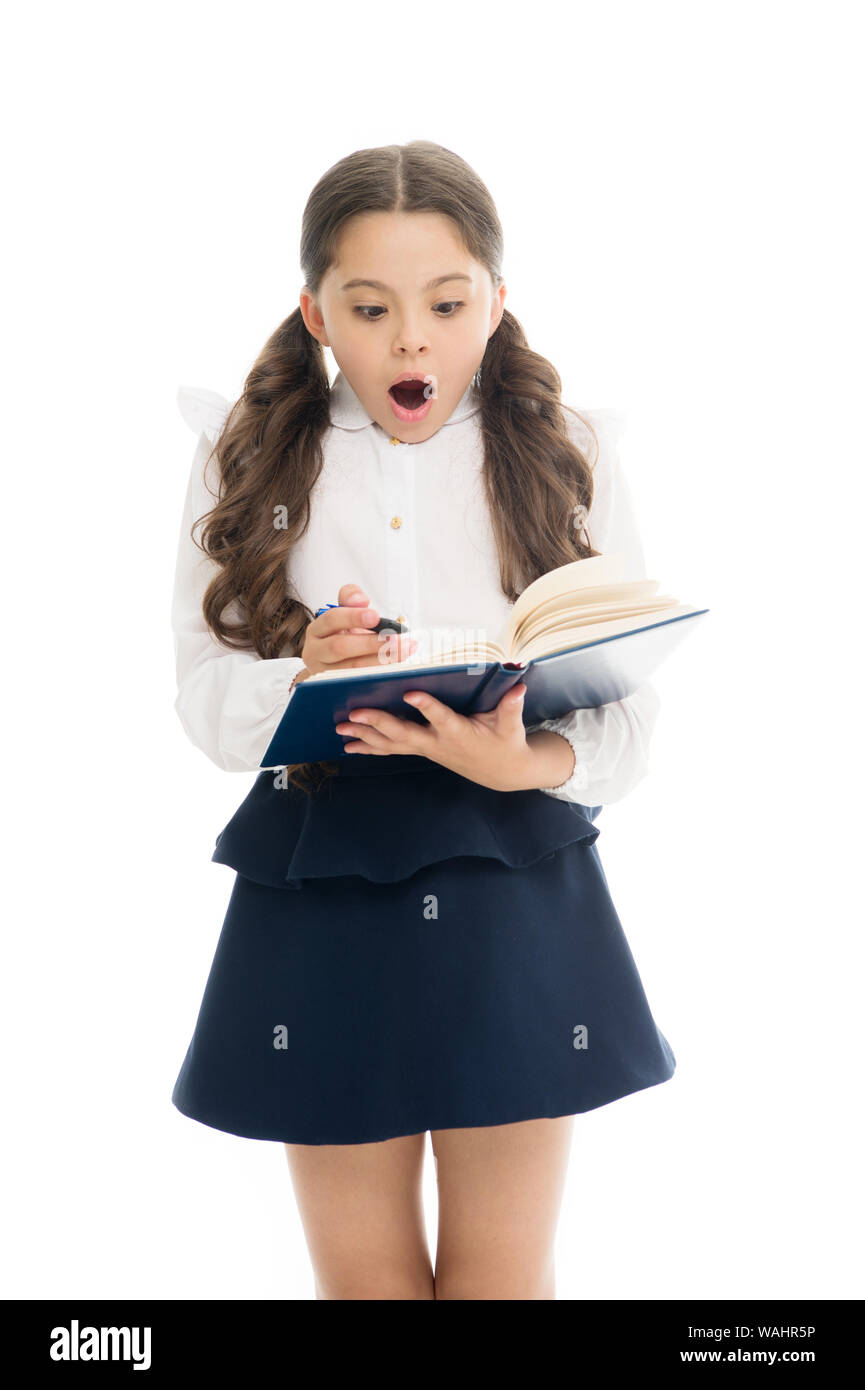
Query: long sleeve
x=228, y=701
x=611, y=743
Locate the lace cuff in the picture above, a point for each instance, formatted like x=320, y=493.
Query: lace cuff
x=579, y=778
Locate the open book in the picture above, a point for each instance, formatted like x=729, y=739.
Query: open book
x=579, y=636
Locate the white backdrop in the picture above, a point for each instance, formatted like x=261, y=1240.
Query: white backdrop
x=680, y=189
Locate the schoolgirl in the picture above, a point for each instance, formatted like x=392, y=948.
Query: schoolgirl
x=420, y=936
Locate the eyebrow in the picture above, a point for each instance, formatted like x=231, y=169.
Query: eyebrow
x=377, y=284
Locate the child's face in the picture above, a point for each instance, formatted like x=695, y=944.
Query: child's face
x=376, y=334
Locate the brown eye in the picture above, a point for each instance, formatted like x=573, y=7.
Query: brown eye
x=373, y=312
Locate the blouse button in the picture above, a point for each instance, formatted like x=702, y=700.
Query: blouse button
x=396, y=522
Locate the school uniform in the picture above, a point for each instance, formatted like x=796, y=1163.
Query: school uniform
x=405, y=949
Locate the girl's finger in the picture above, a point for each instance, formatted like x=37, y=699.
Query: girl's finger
x=375, y=725
x=360, y=740
x=511, y=703
x=439, y=715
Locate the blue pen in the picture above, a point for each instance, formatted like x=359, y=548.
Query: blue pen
x=390, y=623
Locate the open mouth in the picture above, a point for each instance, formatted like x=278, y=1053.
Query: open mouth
x=409, y=394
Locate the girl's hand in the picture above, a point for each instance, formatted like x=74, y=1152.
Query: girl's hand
x=490, y=748
x=340, y=637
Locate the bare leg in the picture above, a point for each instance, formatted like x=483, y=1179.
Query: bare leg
x=500, y=1189
x=362, y=1212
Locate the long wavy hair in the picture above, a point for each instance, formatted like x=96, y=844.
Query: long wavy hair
x=269, y=450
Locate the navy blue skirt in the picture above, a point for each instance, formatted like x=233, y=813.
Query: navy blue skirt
x=406, y=950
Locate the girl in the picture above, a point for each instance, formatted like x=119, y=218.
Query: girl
x=420, y=935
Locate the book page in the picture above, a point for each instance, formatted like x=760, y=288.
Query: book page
x=580, y=574
x=580, y=617
x=599, y=599
x=576, y=636
x=471, y=654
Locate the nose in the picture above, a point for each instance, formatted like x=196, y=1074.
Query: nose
x=409, y=339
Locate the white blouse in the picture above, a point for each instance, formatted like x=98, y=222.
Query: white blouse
x=410, y=524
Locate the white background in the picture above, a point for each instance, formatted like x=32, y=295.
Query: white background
x=680, y=189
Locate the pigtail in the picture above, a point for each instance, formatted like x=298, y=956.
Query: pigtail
x=269, y=455
x=536, y=477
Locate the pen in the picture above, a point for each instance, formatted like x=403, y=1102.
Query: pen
x=390, y=623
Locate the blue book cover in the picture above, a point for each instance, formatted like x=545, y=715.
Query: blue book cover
x=583, y=674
